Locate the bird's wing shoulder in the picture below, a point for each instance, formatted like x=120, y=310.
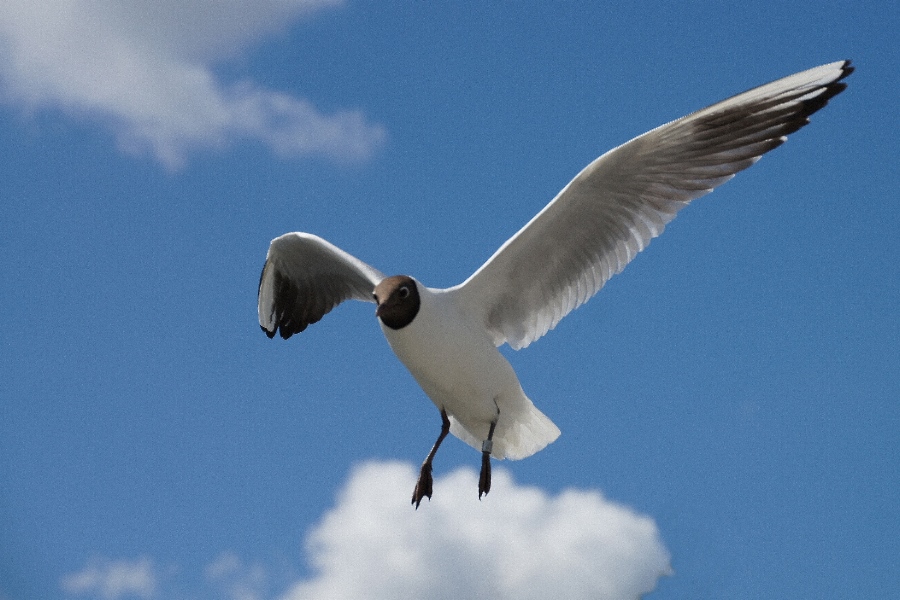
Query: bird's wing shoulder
x=612, y=209
x=304, y=277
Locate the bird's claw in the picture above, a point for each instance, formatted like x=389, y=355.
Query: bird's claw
x=484, y=481
x=423, y=485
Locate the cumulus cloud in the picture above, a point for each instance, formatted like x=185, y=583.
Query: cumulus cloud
x=112, y=580
x=145, y=70
x=517, y=543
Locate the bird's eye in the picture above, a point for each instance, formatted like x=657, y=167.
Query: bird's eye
x=375, y=297
x=403, y=292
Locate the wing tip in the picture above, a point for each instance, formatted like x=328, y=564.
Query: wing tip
x=846, y=67
x=830, y=89
x=284, y=331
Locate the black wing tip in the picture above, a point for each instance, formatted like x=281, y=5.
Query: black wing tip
x=847, y=68
x=288, y=316
x=812, y=105
x=282, y=330
x=286, y=332
x=830, y=90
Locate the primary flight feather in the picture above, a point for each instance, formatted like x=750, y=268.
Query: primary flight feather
x=596, y=225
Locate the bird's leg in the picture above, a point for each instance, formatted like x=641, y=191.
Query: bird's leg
x=484, y=482
x=423, y=486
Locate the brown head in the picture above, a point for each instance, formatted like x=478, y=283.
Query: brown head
x=398, y=301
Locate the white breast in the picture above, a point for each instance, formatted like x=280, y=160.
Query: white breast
x=456, y=363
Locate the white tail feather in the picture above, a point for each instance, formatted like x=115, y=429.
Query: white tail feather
x=521, y=430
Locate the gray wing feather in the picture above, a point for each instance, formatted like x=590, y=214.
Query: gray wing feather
x=304, y=278
x=600, y=221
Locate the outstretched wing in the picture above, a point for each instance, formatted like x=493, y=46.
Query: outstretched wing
x=304, y=278
x=622, y=200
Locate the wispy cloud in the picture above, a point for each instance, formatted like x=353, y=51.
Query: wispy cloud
x=519, y=542
x=235, y=580
x=144, y=69
x=112, y=580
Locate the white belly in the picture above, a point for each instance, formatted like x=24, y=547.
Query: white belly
x=458, y=366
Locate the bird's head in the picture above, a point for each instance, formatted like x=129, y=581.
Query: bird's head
x=398, y=301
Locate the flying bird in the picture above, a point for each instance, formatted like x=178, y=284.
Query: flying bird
x=449, y=338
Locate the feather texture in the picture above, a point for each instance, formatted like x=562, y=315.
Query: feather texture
x=612, y=209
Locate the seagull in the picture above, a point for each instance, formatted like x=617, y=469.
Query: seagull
x=448, y=339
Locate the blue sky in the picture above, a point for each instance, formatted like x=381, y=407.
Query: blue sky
x=728, y=404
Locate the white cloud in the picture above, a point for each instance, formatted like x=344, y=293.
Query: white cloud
x=145, y=69
x=236, y=581
x=112, y=580
x=516, y=543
